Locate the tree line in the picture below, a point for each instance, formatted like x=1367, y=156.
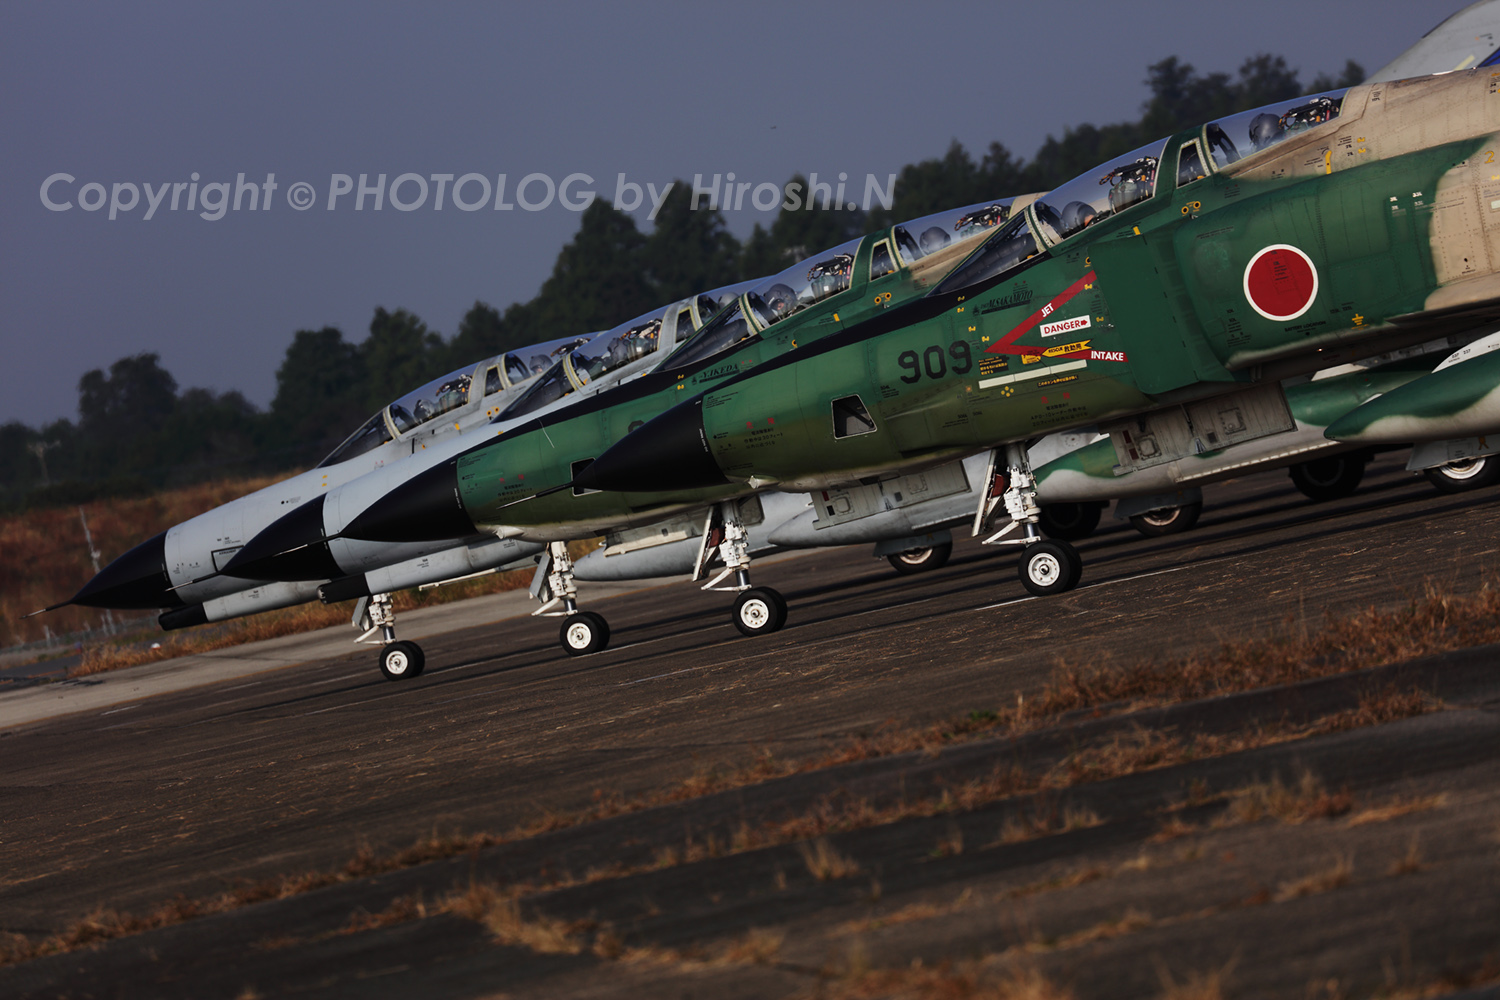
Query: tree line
x=138, y=431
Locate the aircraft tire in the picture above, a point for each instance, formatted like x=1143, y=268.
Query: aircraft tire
x=583, y=633
x=759, y=611
x=1167, y=521
x=401, y=660
x=920, y=560
x=1465, y=474
x=1069, y=521
x=1050, y=567
x=1331, y=478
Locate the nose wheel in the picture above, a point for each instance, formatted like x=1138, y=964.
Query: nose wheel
x=401, y=659
x=1050, y=567
x=1047, y=566
x=759, y=611
x=584, y=632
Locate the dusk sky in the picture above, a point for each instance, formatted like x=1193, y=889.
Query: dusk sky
x=154, y=94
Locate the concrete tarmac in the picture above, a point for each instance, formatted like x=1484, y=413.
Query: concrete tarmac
x=187, y=779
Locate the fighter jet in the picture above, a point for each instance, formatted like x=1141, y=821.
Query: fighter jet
x=340, y=568
x=910, y=518
x=1163, y=295
x=181, y=569
x=515, y=484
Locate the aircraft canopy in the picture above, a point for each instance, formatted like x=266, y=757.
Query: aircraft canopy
x=448, y=393
x=804, y=283
x=929, y=234
x=1230, y=139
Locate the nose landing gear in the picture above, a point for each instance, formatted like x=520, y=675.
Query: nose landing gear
x=757, y=610
x=582, y=632
x=1046, y=567
x=399, y=659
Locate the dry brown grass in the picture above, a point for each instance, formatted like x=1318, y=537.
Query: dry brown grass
x=1129, y=922
x=1197, y=985
x=1325, y=879
x=1410, y=862
x=1435, y=622
x=1396, y=808
x=970, y=981
x=543, y=934
x=758, y=946
x=106, y=924
x=1304, y=800
x=824, y=861
x=1173, y=828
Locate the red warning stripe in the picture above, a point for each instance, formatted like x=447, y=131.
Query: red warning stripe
x=1030, y=322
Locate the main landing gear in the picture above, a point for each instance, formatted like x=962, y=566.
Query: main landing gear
x=1047, y=567
x=757, y=610
x=582, y=632
x=399, y=659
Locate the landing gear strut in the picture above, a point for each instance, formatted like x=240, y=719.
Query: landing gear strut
x=757, y=610
x=399, y=659
x=582, y=631
x=1046, y=567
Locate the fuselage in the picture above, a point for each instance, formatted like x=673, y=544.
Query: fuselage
x=1209, y=269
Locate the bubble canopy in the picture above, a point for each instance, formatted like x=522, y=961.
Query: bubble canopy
x=925, y=236
x=805, y=283
x=822, y=275
x=449, y=392
x=607, y=352
x=1105, y=190
x=1233, y=138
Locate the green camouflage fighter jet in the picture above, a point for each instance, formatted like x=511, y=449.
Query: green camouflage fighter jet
x=1164, y=294
x=534, y=459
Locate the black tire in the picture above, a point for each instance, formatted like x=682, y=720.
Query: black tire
x=401, y=660
x=759, y=611
x=921, y=560
x=600, y=621
x=1465, y=474
x=583, y=633
x=1168, y=520
x=1331, y=478
x=1050, y=567
x=1069, y=521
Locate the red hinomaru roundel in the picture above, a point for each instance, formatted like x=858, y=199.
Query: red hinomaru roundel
x=1281, y=282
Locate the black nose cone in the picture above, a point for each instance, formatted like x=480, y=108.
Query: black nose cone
x=138, y=579
x=292, y=547
x=669, y=452
x=426, y=508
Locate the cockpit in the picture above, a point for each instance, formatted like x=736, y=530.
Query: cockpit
x=930, y=242
x=1104, y=191
x=933, y=234
x=1233, y=138
x=805, y=283
x=609, y=352
x=1128, y=180
x=450, y=394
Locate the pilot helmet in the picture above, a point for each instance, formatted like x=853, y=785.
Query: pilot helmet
x=1265, y=129
x=1076, y=215
x=933, y=239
